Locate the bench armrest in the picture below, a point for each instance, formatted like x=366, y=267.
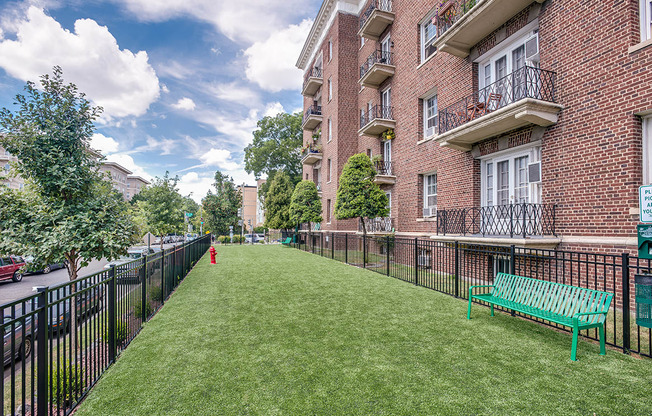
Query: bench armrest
x=473, y=287
x=590, y=313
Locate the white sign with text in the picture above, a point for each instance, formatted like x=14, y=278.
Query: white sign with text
x=645, y=202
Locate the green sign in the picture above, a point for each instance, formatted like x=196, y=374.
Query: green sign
x=188, y=214
x=644, y=241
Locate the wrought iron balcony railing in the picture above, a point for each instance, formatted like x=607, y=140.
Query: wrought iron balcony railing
x=525, y=82
x=378, y=57
x=450, y=12
x=377, y=112
x=383, y=168
x=310, y=149
x=312, y=110
x=384, y=5
x=378, y=225
x=315, y=72
x=511, y=220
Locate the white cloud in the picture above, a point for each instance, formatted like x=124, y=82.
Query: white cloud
x=248, y=23
x=184, y=103
x=195, y=185
x=270, y=63
x=104, y=144
x=128, y=162
x=235, y=93
x=237, y=128
x=175, y=69
x=273, y=109
x=122, y=82
x=220, y=158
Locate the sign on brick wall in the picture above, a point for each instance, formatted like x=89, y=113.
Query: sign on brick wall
x=645, y=202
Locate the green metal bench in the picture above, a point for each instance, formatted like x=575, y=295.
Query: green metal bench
x=566, y=305
x=287, y=241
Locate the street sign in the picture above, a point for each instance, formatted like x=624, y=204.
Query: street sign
x=645, y=202
x=188, y=214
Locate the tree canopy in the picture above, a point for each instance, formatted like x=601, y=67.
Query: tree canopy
x=277, y=202
x=306, y=203
x=357, y=195
x=221, y=208
x=67, y=211
x=162, y=206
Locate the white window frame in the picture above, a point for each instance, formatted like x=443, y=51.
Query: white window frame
x=422, y=34
x=645, y=13
x=386, y=43
x=361, y=41
x=330, y=50
x=425, y=189
x=330, y=170
x=534, y=189
x=330, y=129
x=647, y=150
x=330, y=89
x=387, y=92
x=425, y=117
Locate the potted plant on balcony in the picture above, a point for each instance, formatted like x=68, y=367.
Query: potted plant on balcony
x=316, y=135
x=375, y=159
x=389, y=134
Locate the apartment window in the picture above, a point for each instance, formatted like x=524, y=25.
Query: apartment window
x=330, y=89
x=330, y=129
x=430, y=195
x=430, y=117
x=428, y=29
x=647, y=150
x=328, y=211
x=330, y=166
x=361, y=41
x=505, y=178
x=330, y=50
x=646, y=20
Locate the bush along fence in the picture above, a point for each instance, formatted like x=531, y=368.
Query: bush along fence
x=452, y=267
x=59, y=341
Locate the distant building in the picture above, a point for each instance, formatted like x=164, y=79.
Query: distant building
x=118, y=175
x=252, y=207
x=134, y=185
x=9, y=180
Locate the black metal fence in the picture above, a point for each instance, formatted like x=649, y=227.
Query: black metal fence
x=452, y=267
x=377, y=57
x=384, y=5
x=525, y=82
x=58, y=342
x=377, y=112
x=499, y=220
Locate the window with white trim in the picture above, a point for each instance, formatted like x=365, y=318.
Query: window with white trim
x=330, y=129
x=647, y=150
x=430, y=117
x=430, y=195
x=330, y=89
x=330, y=50
x=330, y=168
x=428, y=30
x=504, y=178
x=646, y=19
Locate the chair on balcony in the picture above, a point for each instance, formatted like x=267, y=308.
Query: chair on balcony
x=493, y=102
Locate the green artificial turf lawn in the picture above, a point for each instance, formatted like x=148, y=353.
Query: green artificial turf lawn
x=271, y=330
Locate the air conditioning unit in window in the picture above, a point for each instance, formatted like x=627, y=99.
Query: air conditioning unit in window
x=534, y=172
x=430, y=212
x=424, y=261
x=532, y=48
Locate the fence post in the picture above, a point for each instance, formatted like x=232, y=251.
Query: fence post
x=183, y=260
x=332, y=245
x=626, y=326
x=512, y=266
x=321, y=244
x=457, y=269
x=364, y=251
x=174, y=269
x=162, y=276
x=387, y=252
x=346, y=248
x=42, y=352
x=416, y=261
x=511, y=220
x=143, y=279
x=113, y=350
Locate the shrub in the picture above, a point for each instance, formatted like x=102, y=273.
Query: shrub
x=66, y=382
x=138, y=308
x=239, y=238
x=221, y=239
x=121, y=331
x=155, y=293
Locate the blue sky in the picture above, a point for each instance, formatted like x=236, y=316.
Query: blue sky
x=182, y=82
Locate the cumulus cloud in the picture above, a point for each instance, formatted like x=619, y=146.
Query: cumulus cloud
x=220, y=158
x=270, y=63
x=195, y=185
x=184, y=103
x=257, y=20
x=122, y=82
x=104, y=144
x=273, y=109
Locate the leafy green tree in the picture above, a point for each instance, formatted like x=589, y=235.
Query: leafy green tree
x=275, y=148
x=277, y=202
x=305, y=205
x=221, y=208
x=162, y=206
x=190, y=206
x=357, y=195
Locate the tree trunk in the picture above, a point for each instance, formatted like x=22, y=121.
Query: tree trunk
x=73, y=270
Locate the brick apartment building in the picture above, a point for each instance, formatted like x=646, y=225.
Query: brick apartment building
x=9, y=179
x=252, y=208
x=512, y=121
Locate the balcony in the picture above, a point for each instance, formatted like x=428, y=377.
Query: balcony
x=375, y=19
x=384, y=174
x=378, y=225
x=313, y=82
x=375, y=121
x=311, y=155
x=312, y=117
x=376, y=69
x=514, y=220
x=461, y=24
x=524, y=97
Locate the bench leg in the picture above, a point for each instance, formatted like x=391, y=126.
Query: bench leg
x=574, y=348
x=603, y=350
x=468, y=314
x=492, y=309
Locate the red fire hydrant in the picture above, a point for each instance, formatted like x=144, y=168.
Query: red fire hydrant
x=212, y=251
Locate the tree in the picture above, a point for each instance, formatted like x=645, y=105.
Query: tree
x=67, y=209
x=275, y=148
x=277, y=202
x=306, y=204
x=162, y=206
x=221, y=207
x=190, y=206
x=357, y=195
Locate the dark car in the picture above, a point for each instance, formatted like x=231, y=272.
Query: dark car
x=31, y=267
x=21, y=348
x=88, y=302
x=10, y=268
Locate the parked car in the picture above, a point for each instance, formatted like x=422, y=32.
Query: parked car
x=22, y=348
x=10, y=268
x=31, y=269
x=129, y=273
x=256, y=238
x=88, y=302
